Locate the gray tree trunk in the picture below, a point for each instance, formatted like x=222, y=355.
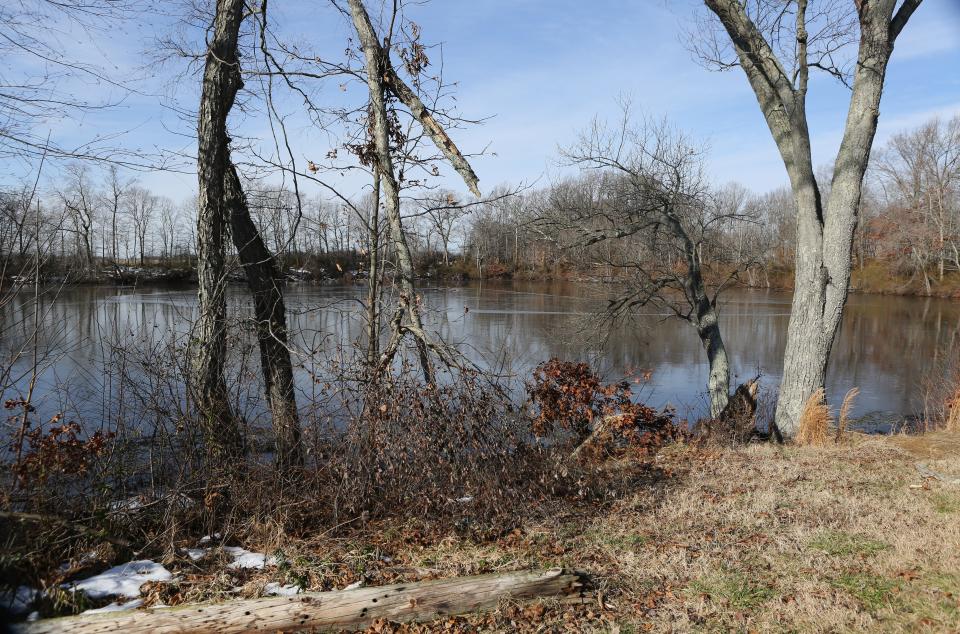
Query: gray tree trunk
x=707, y=323
x=824, y=236
x=270, y=315
x=221, y=80
x=373, y=288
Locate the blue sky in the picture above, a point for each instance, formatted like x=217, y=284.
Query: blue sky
x=541, y=70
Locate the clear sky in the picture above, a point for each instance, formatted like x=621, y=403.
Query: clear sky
x=541, y=70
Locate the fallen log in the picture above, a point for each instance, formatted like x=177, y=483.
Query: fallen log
x=346, y=609
x=927, y=472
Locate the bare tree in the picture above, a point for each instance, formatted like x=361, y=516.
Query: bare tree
x=777, y=44
x=80, y=201
x=116, y=190
x=141, y=207
x=383, y=82
x=222, y=201
x=654, y=201
x=444, y=216
x=919, y=174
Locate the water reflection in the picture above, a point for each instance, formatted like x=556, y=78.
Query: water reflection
x=886, y=345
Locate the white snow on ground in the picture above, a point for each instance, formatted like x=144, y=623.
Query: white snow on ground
x=123, y=580
x=196, y=553
x=130, y=504
x=355, y=585
x=275, y=589
x=246, y=559
x=18, y=601
x=206, y=539
x=116, y=607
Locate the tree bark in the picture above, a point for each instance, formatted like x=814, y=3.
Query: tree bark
x=373, y=286
x=704, y=319
x=325, y=611
x=221, y=80
x=270, y=315
x=824, y=236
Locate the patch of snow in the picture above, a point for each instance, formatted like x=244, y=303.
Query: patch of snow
x=123, y=580
x=275, y=589
x=246, y=559
x=355, y=585
x=18, y=601
x=206, y=539
x=130, y=504
x=87, y=558
x=196, y=554
x=116, y=607
x=32, y=617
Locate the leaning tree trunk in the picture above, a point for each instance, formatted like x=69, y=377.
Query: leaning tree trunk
x=376, y=68
x=271, y=324
x=707, y=323
x=718, y=381
x=221, y=79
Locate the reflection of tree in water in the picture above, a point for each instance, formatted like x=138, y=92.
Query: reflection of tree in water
x=886, y=347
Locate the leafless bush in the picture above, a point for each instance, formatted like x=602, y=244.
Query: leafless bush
x=449, y=451
x=941, y=393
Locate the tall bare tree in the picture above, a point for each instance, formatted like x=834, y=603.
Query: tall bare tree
x=221, y=80
x=223, y=203
x=383, y=82
x=776, y=44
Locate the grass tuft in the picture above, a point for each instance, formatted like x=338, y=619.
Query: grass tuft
x=872, y=591
x=840, y=544
x=733, y=589
x=845, y=409
x=815, y=421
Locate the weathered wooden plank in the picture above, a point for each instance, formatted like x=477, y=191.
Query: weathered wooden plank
x=330, y=610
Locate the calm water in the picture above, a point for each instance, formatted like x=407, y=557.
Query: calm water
x=887, y=344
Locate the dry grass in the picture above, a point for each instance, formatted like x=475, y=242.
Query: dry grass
x=815, y=421
x=757, y=539
x=845, y=408
x=844, y=537
x=952, y=423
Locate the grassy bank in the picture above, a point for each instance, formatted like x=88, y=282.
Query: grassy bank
x=850, y=537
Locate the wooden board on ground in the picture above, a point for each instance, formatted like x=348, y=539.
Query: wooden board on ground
x=345, y=609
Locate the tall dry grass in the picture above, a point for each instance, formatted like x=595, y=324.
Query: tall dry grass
x=845, y=408
x=815, y=421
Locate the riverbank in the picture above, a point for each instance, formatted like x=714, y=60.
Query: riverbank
x=848, y=537
x=872, y=277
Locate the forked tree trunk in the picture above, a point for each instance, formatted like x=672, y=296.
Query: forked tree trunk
x=707, y=323
x=271, y=324
x=221, y=79
x=704, y=318
x=824, y=236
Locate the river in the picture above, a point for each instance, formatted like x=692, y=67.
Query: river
x=886, y=347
